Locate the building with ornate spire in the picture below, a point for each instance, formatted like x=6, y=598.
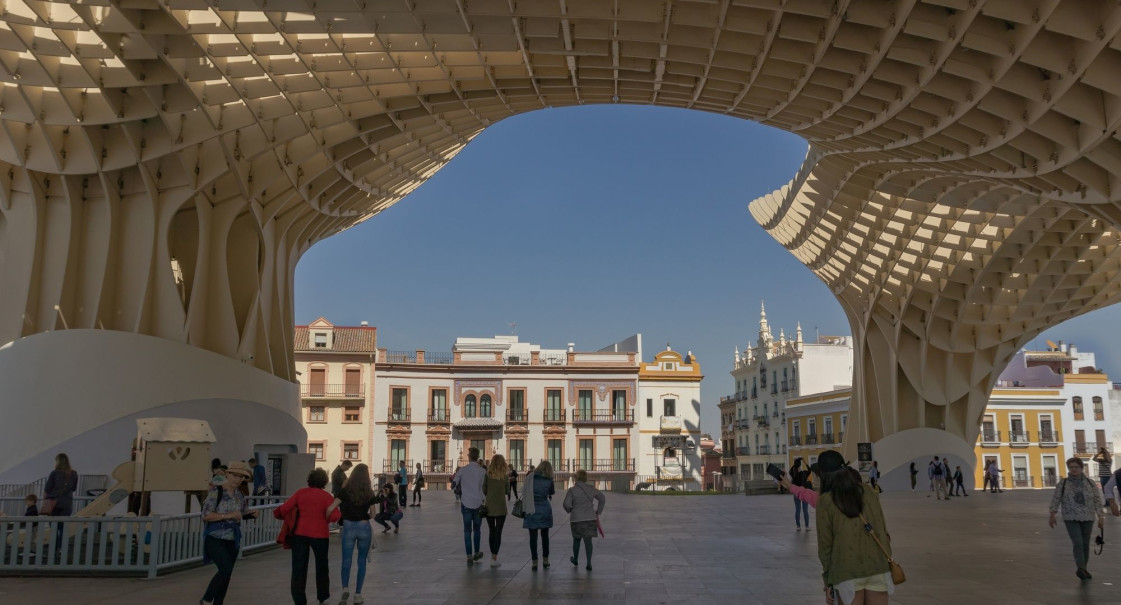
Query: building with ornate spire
x=766, y=375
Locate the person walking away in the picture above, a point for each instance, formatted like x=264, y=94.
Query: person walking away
x=874, y=476
x=798, y=476
x=403, y=482
x=994, y=478
x=985, y=476
x=338, y=477
x=583, y=515
x=222, y=512
x=948, y=476
x=418, y=483
x=853, y=566
x=513, y=483
x=538, y=490
x=1105, y=468
x=311, y=534
x=471, y=478
x=1081, y=503
x=390, y=509
x=959, y=482
x=260, y=478
x=497, y=483
x=58, y=495
x=936, y=473
x=354, y=502
x=914, y=476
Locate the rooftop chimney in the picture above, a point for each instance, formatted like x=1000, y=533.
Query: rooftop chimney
x=364, y=324
x=571, y=347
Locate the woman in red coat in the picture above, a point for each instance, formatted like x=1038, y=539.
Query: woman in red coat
x=311, y=533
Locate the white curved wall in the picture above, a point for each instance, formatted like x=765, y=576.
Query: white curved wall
x=80, y=391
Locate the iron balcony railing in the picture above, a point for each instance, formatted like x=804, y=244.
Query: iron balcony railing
x=602, y=416
x=399, y=414
x=518, y=416
x=328, y=391
x=622, y=465
x=400, y=357
x=762, y=420
x=1047, y=437
x=743, y=451
x=811, y=439
x=785, y=386
x=554, y=416
x=1023, y=482
x=435, y=467
x=520, y=464
x=391, y=466
x=743, y=423
x=763, y=450
x=439, y=416
x=1019, y=437
x=795, y=440
x=990, y=436
x=1091, y=448
x=1049, y=480
x=826, y=439
x=444, y=359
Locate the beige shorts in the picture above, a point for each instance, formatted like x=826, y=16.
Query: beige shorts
x=847, y=590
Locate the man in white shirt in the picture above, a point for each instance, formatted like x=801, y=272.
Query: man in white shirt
x=470, y=479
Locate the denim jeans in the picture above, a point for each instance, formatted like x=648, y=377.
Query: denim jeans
x=472, y=527
x=224, y=555
x=300, y=547
x=355, y=534
x=1081, y=533
x=804, y=508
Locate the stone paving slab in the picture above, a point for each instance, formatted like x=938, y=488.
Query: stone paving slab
x=989, y=548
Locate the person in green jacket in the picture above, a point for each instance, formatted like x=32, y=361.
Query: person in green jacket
x=854, y=568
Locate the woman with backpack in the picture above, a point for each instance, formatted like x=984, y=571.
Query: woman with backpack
x=852, y=540
x=799, y=477
x=583, y=515
x=1081, y=503
x=355, y=500
x=222, y=511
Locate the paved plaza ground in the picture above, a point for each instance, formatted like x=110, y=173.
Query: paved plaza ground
x=989, y=548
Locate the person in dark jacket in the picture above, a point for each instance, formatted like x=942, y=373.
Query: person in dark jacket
x=798, y=477
x=390, y=509
x=539, y=489
x=58, y=494
x=338, y=477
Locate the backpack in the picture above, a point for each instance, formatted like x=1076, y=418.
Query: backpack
x=397, y=479
x=937, y=470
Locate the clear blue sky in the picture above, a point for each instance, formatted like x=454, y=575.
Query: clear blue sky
x=587, y=225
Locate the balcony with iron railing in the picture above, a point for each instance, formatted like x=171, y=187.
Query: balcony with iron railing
x=763, y=450
x=762, y=420
x=622, y=465
x=1023, y=482
x=439, y=416
x=1047, y=437
x=391, y=466
x=554, y=416
x=517, y=416
x=520, y=464
x=826, y=439
x=785, y=386
x=602, y=417
x=796, y=440
x=333, y=391
x=990, y=437
x=1019, y=438
x=1048, y=480
x=811, y=439
x=743, y=451
x=1089, y=449
x=399, y=415
x=743, y=423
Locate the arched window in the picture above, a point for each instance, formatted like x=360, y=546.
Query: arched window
x=484, y=406
x=469, y=406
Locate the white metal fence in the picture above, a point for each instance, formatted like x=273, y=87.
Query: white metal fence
x=117, y=545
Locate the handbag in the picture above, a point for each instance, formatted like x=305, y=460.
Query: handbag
x=518, y=510
x=48, y=507
x=288, y=528
x=897, y=575
x=483, y=510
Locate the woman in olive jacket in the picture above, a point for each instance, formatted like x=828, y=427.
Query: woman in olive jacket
x=852, y=563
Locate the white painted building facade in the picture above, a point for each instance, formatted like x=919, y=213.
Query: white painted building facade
x=766, y=376
x=669, y=420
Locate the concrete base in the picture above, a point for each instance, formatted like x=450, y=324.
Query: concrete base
x=80, y=392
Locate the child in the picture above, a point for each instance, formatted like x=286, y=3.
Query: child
x=32, y=506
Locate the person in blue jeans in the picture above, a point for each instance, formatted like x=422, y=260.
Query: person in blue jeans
x=403, y=483
x=798, y=477
x=355, y=500
x=470, y=479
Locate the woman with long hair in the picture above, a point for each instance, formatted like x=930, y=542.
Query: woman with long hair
x=1081, y=503
x=496, y=486
x=798, y=477
x=539, y=512
x=355, y=500
x=855, y=570
x=580, y=502
x=312, y=533
x=58, y=495
x=390, y=511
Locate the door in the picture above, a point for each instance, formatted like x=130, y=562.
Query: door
x=318, y=382
x=1017, y=426
x=619, y=455
x=585, y=405
x=988, y=430
x=620, y=405
x=437, y=461
x=553, y=405
x=553, y=453
x=587, y=455
x=1046, y=433
x=439, y=405
x=517, y=454
x=353, y=382
x=481, y=444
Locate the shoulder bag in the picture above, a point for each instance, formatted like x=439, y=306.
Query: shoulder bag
x=897, y=575
x=518, y=510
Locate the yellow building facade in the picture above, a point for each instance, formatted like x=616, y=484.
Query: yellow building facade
x=1022, y=431
x=816, y=423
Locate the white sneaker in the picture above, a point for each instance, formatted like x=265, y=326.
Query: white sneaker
x=495, y=563
x=358, y=599
x=346, y=595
